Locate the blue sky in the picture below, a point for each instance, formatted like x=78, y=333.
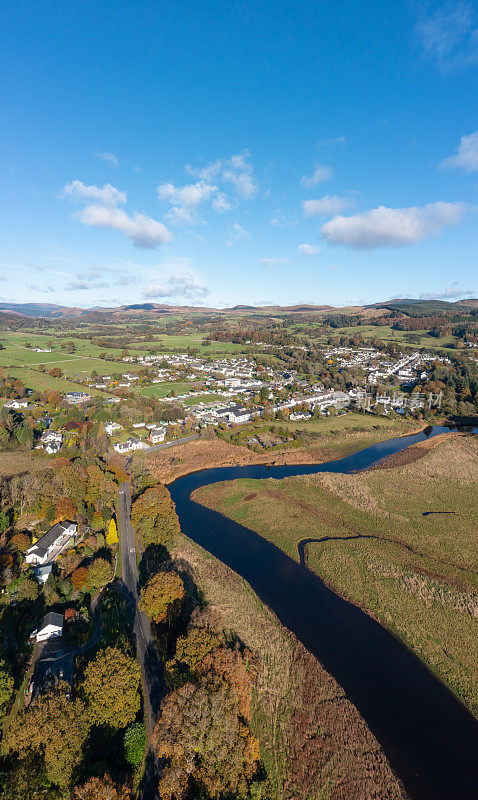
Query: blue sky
x=221, y=153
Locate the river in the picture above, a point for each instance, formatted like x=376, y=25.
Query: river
x=429, y=737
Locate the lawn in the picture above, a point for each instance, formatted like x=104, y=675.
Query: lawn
x=204, y=398
x=412, y=568
x=43, y=381
x=386, y=333
x=165, y=388
x=339, y=423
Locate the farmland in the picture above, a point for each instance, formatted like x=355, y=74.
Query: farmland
x=399, y=542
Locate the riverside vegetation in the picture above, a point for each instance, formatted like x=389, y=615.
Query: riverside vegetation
x=400, y=541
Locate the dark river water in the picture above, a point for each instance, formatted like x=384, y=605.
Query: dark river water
x=429, y=737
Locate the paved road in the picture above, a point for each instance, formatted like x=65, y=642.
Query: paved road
x=151, y=666
x=165, y=445
x=145, y=644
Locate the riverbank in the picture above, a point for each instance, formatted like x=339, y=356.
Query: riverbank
x=313, y=741
x=399, y=541
x=214, y=453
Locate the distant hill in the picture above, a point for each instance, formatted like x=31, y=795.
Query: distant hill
x=48, y=310
x=425, y=308
x=406, y=306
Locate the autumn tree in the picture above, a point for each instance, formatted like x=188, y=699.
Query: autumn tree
x=99, y=573
x=112, y=534
x=56, y=372
x=79, y=578
x=154, y=517
x=56, y=727
x=190, y=651
x=101, y=789
x=162, y=596
x=111, y=688
x=204, y=739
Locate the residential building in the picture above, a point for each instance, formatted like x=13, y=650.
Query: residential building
x=129, y=445
x=50, y=545
x=50, y=627
x=157, y=435
x=111, y=427
x=77, y=397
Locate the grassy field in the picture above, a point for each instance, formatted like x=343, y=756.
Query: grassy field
x=385, y=543
x=386, y=333
x=344, y=421
x=164, y=389
x=205, y=398
x=42, y=381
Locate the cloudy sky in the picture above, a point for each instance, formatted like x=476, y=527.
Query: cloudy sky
x=221, y=153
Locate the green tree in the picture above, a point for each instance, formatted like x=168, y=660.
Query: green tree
x=99, y=573
x=111, y=688
x=134, y=744
x=6, y=686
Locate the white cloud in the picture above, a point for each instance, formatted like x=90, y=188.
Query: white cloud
x=449, y=35
x=221, y=202
x=392, y=227
x=466, y=155
x=329, y=142
x=43, y=289
x=108, y=195
x=308, y=249
x=330, y=204
x=242, y=183
x=237, y=234
x=182, y=282
x=190, y=196
x=186, y=199
x=143, y=231
x=108, y=157
x=273, y=262
x=236, y=170
x=450, y=293
x=321, y=173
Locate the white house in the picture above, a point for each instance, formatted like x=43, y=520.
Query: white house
x=51, y=441
x=16, y=404
x=111, y=427
x=51, y=627
x=129, y=445
x=42, y=573
x=50, y=545
x=239, y=415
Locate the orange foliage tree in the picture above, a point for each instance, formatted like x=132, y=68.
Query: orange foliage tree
x=203, y=735
x=101, y=789
x=162, y=596
x=79, y=578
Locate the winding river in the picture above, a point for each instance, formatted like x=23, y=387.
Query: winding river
x=429, y=737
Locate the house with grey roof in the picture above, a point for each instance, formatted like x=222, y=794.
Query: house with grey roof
x=50, y=545
x=51, y=627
